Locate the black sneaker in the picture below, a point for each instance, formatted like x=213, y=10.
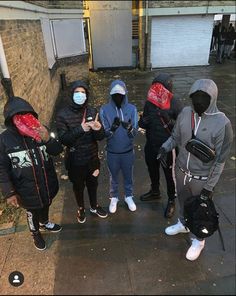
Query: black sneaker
x=39, y=241
x=150, y=195
x=52, y=227
x=99, y=212
x=81, y=216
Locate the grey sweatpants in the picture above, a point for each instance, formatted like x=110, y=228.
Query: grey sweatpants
x=186, y=187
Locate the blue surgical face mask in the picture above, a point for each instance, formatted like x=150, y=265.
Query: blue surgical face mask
x=79, y=98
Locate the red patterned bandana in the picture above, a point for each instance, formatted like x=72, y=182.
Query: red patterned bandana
x=26, y=125
x=159, y=96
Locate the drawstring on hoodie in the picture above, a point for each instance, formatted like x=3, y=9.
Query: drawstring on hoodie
x=118, y=115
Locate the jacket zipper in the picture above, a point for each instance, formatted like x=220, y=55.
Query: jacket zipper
x=45, y=174
x=34, y=173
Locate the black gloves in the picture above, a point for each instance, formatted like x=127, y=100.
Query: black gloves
x=115, y=124
x=205, y=194
x=162, y=156
x=127, y=125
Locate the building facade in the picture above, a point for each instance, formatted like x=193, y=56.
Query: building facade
x=41, y=41
x=152, y=34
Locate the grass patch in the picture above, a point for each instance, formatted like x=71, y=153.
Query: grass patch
x=8, y=213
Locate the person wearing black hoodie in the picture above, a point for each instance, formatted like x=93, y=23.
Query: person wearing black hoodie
x=27, y=175
x=79, y=129
x=160, y=112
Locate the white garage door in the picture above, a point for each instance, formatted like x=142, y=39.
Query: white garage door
x=181, y=40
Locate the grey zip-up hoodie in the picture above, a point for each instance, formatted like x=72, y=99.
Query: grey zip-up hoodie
x=213, y=128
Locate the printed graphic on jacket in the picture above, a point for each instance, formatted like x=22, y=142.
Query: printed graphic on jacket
x=24, y=158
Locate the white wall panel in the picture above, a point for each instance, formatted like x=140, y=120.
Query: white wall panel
x=111, y=34
x=48, y=43
x=69, y=37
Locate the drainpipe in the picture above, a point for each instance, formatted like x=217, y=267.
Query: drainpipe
x=146, y=35
x=6, y=80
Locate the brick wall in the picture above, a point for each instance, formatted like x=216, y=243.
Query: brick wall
x=28, y=68
x=169, y=4
x=58, y=4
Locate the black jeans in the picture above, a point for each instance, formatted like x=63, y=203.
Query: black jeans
x=35, y=216
x=154, y=171
x=82, y=176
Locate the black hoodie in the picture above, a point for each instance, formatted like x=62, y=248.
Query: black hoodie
x=153, y=123
x=82, y=147
x=26, y=169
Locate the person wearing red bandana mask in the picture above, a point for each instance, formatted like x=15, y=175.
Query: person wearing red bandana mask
x=27, y=175
x=160, y=112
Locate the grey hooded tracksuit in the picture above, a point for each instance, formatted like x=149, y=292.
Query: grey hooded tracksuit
x=120, y=146
x=215, y=130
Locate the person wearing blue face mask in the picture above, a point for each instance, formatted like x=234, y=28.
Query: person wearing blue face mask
x=79, y=129
x=79, y=97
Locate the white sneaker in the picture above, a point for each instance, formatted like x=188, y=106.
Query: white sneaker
x=131, y=205
x=195, y=250
x=113, y=205
x=176, y=228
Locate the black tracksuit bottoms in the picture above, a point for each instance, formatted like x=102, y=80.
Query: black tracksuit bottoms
x=36, y=216
x=154, y=171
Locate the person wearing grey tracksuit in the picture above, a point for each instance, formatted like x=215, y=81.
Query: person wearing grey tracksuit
x=120, y=121
x=193, y=177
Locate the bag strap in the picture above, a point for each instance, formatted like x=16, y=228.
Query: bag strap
x=165, y=125
x=221, y=238
x=192, y=124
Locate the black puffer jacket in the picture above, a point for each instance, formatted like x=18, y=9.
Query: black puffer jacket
x=82, y=147
x=26, y=167
x=154, y=119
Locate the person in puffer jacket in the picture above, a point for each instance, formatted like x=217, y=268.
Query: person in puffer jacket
x=160, y=113
x=27, y=175
x=79, y=130
x=120, y=121
x=194, y=176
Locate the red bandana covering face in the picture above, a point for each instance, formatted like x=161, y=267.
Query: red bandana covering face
x=159, y=96
x=26, y=125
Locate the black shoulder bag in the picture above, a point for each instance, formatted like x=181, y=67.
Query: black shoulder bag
x=198, y=148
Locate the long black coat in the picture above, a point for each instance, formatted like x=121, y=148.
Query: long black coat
x=26, y=167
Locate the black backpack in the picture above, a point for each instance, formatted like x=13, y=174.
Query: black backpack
x=200, y=216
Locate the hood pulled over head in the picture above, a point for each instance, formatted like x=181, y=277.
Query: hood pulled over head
x=118, y=93
x=78, y=100
x=16, y=105
x=204, y=94
x=165, y=79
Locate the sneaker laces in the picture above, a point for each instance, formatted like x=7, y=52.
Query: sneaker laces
x=114, y=201
x=129, y=199
x=196, y=243
x=49, y=225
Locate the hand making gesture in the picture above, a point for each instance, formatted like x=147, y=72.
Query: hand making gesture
x=95, y=125
x=85, y=125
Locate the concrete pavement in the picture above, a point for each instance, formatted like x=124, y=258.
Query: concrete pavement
x=128, y=252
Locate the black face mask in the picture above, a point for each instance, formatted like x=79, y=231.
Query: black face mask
x=118, y=99
x=201, y=102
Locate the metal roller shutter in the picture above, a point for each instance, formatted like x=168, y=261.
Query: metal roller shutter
x=181, y=40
